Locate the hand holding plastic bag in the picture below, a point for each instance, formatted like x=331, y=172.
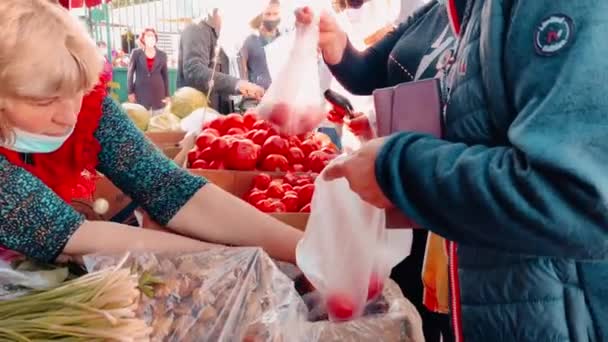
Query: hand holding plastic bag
x=294, y=102
x=347, y=253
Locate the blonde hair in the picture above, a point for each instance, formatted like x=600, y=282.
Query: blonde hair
x=44, y=52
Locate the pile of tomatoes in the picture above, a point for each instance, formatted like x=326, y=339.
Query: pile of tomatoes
x=246, y=143
x=291, y=193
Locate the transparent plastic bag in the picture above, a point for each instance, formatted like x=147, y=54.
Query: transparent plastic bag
x=294, y=103
x=220, y=294
x=20, y=278
x=346, y=252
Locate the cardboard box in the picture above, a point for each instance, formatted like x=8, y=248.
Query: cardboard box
x=166, y=139
x=116, y=199
x=239, y=182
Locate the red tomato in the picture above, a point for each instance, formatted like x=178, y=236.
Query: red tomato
x=255, y=196
x=340, y=306
x=261, y=124
x=249, y=119
x=318, y=160
x=275, y=191
x=250, y=134
x=211, y=131
x=298, y=168
x=207, y=154
x=272, y=132
x=280, y=114
x=287, y=187
x=242, y=155
x=220, y=147
x=278, y=207
x=233, y=120
x=275, y=162
x=309, y=146
x=261, y=181
x=265, y=205
x=275, y=145
x=291, y=202
x=290, y=178
x=217, y=165
x=305, y=209
x=192, y=156
x=216, y=124
x=376, y=285
x=199, y=164
x=294, y=141
x=235, y=131
x=291, y=193
x=204, y=140
x=259, y=137
x=305, y=194
x=295, y=155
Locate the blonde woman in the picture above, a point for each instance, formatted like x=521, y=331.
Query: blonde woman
x=59, y=128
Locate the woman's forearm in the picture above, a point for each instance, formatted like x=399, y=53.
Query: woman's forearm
x=216, y=216
x=112, y=238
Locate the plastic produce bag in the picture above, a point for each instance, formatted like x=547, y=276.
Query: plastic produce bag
x=347, y=253
x=294, y=102
x=220, y=294
x=24, y=277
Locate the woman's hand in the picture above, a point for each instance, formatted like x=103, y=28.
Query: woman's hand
x=359, y=169
x=332, y=39
x=132, y=98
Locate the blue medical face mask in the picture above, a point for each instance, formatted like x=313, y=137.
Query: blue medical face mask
x=26, y=142
x=441, y=2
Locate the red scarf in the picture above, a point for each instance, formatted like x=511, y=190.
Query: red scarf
x=71, y=170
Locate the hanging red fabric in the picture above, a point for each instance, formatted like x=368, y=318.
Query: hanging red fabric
x=71, y=170
x=79, y=3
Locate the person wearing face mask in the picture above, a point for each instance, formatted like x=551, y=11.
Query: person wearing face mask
x=408, y=53
x=252, y=57
x=148, y=77
x=197, y=48
x=58, y=133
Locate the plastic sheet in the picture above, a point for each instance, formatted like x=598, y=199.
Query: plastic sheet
x=239, y=294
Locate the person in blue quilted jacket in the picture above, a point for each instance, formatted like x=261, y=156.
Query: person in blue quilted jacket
x=519, y=179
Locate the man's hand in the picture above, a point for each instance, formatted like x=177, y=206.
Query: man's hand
x=359, y=169
x=250, y=90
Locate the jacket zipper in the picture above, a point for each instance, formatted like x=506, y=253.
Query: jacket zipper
x=455, y=307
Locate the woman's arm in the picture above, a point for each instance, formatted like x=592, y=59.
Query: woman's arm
x=41, y=226
x=216, y=216
x=179, y=200
x=362, y=72
x=114, y=238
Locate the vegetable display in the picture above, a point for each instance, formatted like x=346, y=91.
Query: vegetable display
x=290, y=193
x=246, y=143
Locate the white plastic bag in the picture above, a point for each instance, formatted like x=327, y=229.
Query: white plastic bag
x=294, y=102
x=346, y=252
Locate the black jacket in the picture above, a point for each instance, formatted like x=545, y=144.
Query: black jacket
x=149, y=87
x=195, y=62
